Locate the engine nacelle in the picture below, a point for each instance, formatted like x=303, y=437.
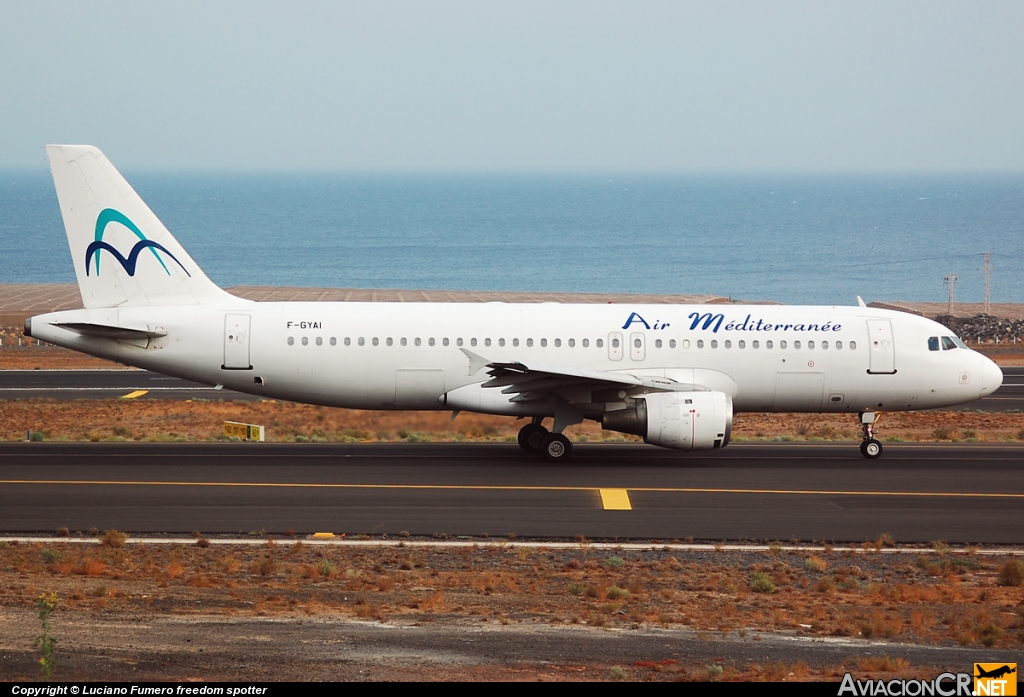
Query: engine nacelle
x=679, y=420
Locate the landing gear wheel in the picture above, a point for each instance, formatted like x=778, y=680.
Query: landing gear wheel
x=871, y=449
x=555, y=447
x=530, y=437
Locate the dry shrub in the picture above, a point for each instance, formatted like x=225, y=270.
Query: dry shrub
x=175, y=569
x=368, y=611
x=434, y=603
x=91, y=566
x=882, y=663
x=114, y=538
x=814, y=564
x=1012, y=573
x=265, y=566
x=199, y=581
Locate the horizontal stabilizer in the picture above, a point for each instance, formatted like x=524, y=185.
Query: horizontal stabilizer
x=104, y=331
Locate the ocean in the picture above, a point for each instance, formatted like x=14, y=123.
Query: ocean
x=793, y=239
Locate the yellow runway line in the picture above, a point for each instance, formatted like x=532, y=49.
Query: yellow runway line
x=136, y=393
x=615, y=500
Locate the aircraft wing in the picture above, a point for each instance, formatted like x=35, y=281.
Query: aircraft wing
x=531, y=381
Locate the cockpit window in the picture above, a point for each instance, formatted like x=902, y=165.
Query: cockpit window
x=956, y=340
x=933, y=343
x=948, y=343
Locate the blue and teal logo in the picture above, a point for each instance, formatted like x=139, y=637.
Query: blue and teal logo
x=105, y=218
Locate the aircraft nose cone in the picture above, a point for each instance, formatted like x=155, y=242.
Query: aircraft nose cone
x=991, y=377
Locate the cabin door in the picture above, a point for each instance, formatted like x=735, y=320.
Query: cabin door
x=236, y=342
x=881, y=349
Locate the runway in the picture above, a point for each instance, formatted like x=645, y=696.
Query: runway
x=142, y=384
x=916, y=492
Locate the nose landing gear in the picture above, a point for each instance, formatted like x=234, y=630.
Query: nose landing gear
x=869, y=447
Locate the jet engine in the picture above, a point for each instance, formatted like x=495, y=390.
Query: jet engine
x=679, y=420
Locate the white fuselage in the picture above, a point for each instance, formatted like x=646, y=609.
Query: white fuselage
x=410, y=355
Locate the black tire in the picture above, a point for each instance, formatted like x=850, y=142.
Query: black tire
x=555, y=447
x=871, y=449
x=530, y=437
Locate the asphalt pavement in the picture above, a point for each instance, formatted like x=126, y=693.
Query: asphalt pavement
x=960, y=493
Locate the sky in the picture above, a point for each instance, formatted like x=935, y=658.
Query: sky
x=549, y=86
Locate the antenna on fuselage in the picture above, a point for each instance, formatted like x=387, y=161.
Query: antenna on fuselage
x=860, y=302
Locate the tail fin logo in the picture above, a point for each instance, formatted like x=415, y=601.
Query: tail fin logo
x=109, y=215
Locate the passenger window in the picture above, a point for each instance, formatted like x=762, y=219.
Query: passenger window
x=700, y=343
x=362, y=341
x=444, y=341
x=334, y=341
x=742, y=344
x=615, y=343
x=501, y=342
x=599, y=343
x=671, y=343
x=390, y=341
x=810, y=344
x=636, y=343
x=305, y=341
x=515, y=342
x=472, y=342
x=839, y=345
x=714, y=343
x=291, y=341
x=572, y=343
x=404, y=341
x=544, y=342
x=348, y=341
x=430, y=341
x=417, y=341
x=376, y=341
x=529, y=342
x=933, y=343
x=657, y=343
x=853, y=345
x=768, y=344
x=586, y=343
x=458, y=342
x=319, y=341
x=782, y=344
x=686, y=343
x=728, y=343
x=755, y=344
x=947, y=343
x=558, y=342
x=796, y=344
x=824, y=345
x=487, y=342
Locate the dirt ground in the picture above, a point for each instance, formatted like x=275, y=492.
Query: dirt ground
x=190, y=421
x=288, y=609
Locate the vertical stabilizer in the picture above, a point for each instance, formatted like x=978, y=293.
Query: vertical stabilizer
x=123, y=254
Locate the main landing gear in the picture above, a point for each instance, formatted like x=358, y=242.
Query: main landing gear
x=869, y=447
x=537, y=440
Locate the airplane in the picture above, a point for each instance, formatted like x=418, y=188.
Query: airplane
x=673, y=374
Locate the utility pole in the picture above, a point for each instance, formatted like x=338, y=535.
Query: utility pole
x=988, y=288
x=950, y=280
